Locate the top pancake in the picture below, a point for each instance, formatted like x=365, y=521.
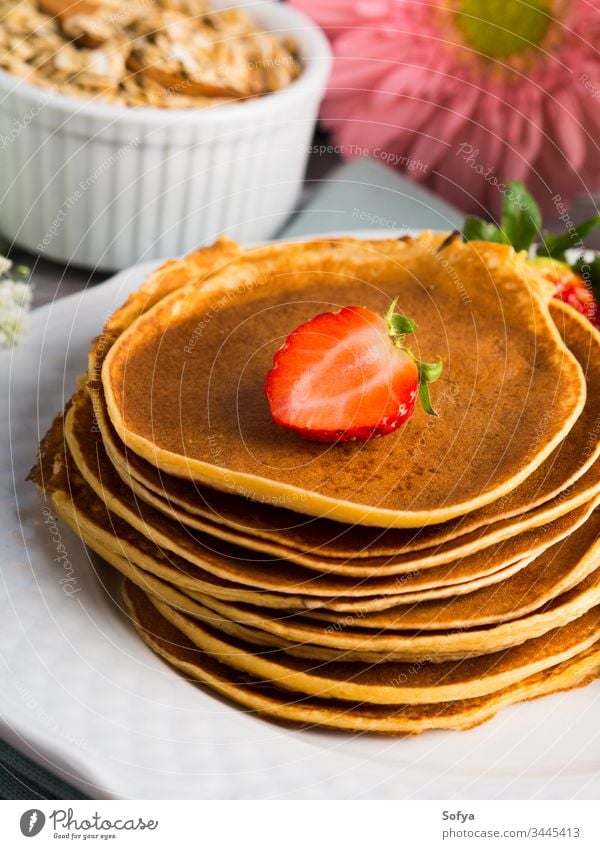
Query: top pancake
x=184, y=498
x=184, y=384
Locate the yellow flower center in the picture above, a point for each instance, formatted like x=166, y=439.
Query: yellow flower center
x=503, y=28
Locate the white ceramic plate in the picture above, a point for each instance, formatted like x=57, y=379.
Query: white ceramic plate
x=83, y=695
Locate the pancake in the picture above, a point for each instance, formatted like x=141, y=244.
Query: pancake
x=412, y=646
x=305, y=650
x=162, y=591
x=515, y=543
x=188, y=501
x=576, y=538
x=390, y=682
x=172, y=275
x=264, y=700
x=545, y=578
x=484, y=673
x=164, y=280
x=367, y=643
x=362, y=627
x=184, y=384
x=232, y=577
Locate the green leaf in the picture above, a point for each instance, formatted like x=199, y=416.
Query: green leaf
x=521, y=217
x=425, y=399
x=478, y=230
x=520, y=224
x=428, y=373
x=392, y=309
x=555, y=246
x=400, y=325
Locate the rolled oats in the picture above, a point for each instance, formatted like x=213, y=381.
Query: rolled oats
x=171, y=54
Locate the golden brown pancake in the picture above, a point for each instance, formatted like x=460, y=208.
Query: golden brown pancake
x=189, y=501
x=184, y=383
x=369, y=643
x=114, y=540
x=389, y=682
x=256, y=696
x=530, y=588
x=545, y=578
x=543, y=650
x=228, y=572
x=436, y=634
x=167, y=278
x=475, y=551
x=171, y=276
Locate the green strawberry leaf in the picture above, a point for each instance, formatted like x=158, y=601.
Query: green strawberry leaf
x=478, y=230
x=399, y=326
x=521, y=217
x=428, y=373
x=555, y=246
x=425, y=399
x=520, y=223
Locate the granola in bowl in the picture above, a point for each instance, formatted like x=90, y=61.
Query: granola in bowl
x=160, y=53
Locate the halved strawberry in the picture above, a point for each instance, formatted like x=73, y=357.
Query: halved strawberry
x=348, y=375
x=570, y=287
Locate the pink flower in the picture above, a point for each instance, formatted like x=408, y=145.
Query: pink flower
x=464, y=94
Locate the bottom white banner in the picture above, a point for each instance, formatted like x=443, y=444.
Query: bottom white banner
x=296, y=824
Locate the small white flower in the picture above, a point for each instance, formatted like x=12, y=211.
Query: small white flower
x=5, y=265
x=15, y=301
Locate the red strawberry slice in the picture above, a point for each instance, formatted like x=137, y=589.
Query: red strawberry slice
x=570, y=287
x=347, y=375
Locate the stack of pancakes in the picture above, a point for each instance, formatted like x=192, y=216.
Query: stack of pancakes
x=418, y=581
